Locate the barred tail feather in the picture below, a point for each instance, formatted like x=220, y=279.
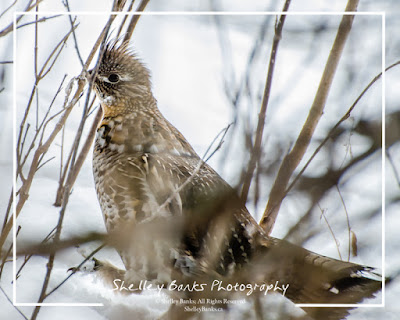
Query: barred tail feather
x=316, y=279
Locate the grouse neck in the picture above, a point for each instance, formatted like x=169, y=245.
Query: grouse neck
x=130, y=106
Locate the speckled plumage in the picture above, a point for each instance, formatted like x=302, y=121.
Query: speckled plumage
x=139, y=161
x=146, y=172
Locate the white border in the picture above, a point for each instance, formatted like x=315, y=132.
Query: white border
x=203, y=13
x=206, y=13
x=383, y=153
x=14, y=173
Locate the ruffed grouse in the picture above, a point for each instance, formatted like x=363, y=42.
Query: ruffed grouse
x=177, y=219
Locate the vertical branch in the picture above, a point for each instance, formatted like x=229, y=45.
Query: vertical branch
x=66, y=4
x=23, y=192
x=125, y=18
x=77, y=164
x=256, y=152
x=85, y=149
x=293, y=158
x=67, y=189
x=134, y=20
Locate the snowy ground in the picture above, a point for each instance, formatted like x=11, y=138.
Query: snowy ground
x=187, y=64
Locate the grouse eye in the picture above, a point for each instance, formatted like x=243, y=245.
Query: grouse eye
x=113, y=78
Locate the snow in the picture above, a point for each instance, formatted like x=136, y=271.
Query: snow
x=187, y=64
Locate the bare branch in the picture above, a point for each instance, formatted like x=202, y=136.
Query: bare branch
x=134, y=20
x=85, y=149
x=256, y=151
x=124, y=19
x=293, y=158
x=40, y=129
x=81, y=83
x=66, y=4
x=76, y=165
x=41, y=149
x=38, y=75
x=44, y=19
x=332, y=132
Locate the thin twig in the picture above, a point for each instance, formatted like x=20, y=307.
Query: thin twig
x=75, y=270
x=29, y=256
x=221, y=141
x=332, y=131
x=59, y=52
x=91, y=109
x=10, y=27
x=40, y=164
x=66, y=4
x=72, y=168
x=44, y=19
x=23, y=192
x=117, y=5
x=15, y=307
x=244, y=85
x=8, y=8
x=39, y=75
x=332, y=179
x=347, y=219
x=66, y=194
x=41, y=149
x=256, y=151
x=85, y=149
x=42, y=126
x=35, y=65
x=330, y=230
x=200, y=164
x=395, y=171
x=293, y=158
